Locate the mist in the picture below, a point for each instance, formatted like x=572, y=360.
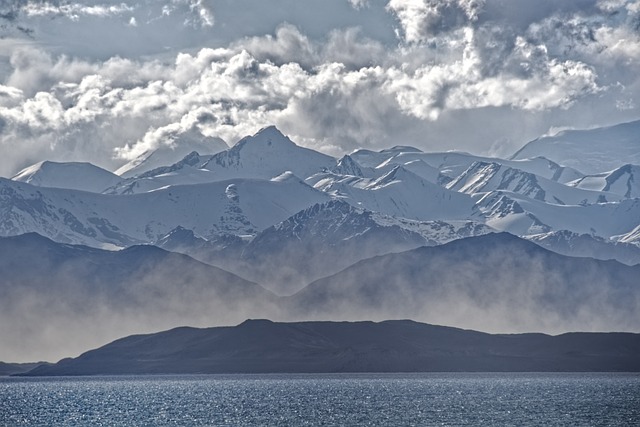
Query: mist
x=58, y=301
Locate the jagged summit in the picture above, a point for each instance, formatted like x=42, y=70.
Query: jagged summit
x=267, y=154
x=347, y=166
x=525, y=197
x=267, y=136
x=482, y=177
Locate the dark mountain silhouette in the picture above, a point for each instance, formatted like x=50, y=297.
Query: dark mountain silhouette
x=260, y=346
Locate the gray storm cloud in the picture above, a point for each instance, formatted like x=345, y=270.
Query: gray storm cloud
x=509, y=70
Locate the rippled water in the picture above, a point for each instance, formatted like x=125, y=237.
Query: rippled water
x=393, y=399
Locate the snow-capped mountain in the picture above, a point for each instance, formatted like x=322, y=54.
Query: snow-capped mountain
x=483, y=177
x=417, y=167
x=213, y=205
x=372, y=159
x=283, y=216
x=511, y=212
x=347, y=166
x=624, y=181
x=172, y=152
x=398, y=193
x=70, y=175
x=266, y=154
x=591, y=151
x=328, y=237
x=239, y=207
x=453, y=163
x=184, y=172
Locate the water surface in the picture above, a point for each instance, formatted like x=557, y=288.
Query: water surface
x=346, y=399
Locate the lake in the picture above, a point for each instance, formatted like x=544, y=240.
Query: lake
x=325, y=399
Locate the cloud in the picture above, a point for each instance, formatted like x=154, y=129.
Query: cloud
x=196, y=12
x=191, y=127
x=553, y=65
x=359, y=4
x=288, y=44
x=201, y=11
x=421, y=19
x=72, y=11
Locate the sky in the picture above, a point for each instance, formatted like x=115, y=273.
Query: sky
x=104, y=81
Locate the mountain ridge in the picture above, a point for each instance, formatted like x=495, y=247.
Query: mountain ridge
x=262, y=346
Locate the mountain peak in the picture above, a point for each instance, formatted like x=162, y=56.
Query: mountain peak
x=268, y=136
x=70, y=175
x=398, y=173
x=347, y=166
x=267, y=154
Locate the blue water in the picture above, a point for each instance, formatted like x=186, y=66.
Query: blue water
x=292, y=400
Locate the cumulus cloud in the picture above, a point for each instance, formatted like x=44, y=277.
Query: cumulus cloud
x=193, y=126
x=479, y=62
x=421, y=19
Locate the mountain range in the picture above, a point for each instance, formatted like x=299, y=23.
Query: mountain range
x=386, y=234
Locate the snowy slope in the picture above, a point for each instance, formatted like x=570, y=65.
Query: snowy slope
x=511, y=212
x=347, y=166
x=417, y=167
x=170, y=153
x=266, y=154
x=591, y=151
x=632, y=237
x=482, y=177
x=236, y=206
x=70, y=175
x=451, y=164
x=372, y=159
x=398, y=193
x=186, y=171
x=624, y=181
x=218, y=202
x=376, y=164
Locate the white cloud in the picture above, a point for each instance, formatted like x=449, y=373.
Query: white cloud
x=73, y=10
x=287, y=45
x=506, y=77
x=422, y=19
x=191, y=126
x=202, y=10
